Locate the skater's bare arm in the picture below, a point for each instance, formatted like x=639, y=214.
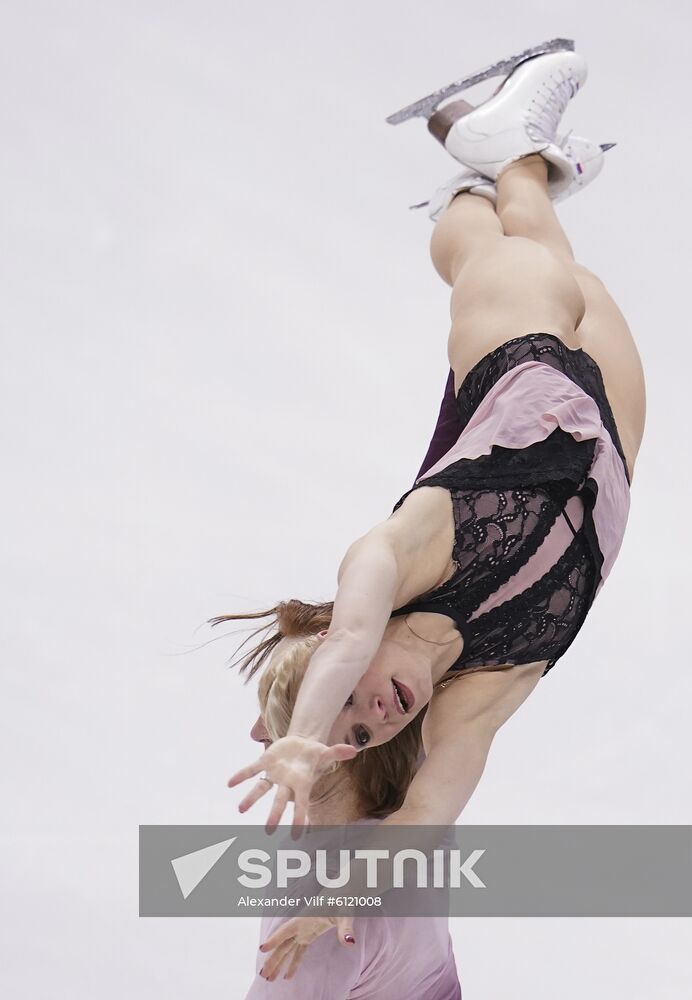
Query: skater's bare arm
x=368, y=581
x=458, y=730
x=368, y=584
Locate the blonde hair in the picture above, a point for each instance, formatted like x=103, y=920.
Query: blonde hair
x=382, y=774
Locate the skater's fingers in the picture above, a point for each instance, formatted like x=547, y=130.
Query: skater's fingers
x=246, y=772
x=340, y=751
x=281, y=934
x=260, y=789
x=272, y=966
x=300, y=815
x=344, y=929
x=281, y=800
x=298, y=953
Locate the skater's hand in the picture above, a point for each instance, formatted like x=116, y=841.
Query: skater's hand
x=292, y=765
x=289, y=942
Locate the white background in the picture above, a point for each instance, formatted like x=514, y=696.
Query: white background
x=223, y=355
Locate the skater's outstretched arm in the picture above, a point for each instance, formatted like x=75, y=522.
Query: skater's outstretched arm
x=368, y=581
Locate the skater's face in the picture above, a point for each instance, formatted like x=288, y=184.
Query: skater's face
x=259, y=733
x=388, y=696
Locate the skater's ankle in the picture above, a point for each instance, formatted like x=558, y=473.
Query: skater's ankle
x=531, y=170
x=531, y=165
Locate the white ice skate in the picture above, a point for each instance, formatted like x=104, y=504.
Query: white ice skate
x=467, y=180
x=519, y=119
x=522, y=118
x=585, y=158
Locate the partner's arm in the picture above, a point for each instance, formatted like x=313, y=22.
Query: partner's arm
x=309, y=964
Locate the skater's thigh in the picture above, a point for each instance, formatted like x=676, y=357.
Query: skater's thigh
x=605, y=335
x=603, y=331
x=517, y=288
x=598, y=302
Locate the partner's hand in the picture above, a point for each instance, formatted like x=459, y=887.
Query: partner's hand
x=289, y=942
x=293, y=764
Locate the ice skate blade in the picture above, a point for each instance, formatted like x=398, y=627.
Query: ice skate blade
x=426, y=106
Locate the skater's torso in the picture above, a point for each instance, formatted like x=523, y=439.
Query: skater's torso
x=422, y=530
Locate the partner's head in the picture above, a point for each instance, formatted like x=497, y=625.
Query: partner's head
x=381, y=774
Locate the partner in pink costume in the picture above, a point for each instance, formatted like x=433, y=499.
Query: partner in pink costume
x=402, y=958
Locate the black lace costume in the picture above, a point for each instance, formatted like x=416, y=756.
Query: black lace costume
x=511, y=608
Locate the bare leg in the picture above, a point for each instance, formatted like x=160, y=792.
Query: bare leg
x=525, y=210
x=451, y=244
x=469, y=226
x=502, y=286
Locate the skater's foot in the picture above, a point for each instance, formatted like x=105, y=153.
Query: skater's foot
x=584, y=160
x=534, y=163
x=467, y=180
x=520, y=119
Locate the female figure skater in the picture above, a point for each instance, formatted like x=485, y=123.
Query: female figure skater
x=485, y=571
x=403, y=957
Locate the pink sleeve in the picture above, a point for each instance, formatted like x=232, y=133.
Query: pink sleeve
x=328, y=971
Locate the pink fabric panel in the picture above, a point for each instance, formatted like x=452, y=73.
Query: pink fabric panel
x=394, y=958
x=525, y=406
x=613, y=503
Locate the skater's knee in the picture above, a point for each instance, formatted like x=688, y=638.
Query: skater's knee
x=519, y=218
x=441, y=254
x=467, y=229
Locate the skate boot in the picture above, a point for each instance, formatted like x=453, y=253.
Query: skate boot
x=585, y=158
x=467, y=180
x=520, y=119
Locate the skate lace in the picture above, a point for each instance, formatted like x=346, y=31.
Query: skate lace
x=546, y=110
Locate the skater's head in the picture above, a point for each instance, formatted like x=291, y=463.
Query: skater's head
x=387, y=699
x=381, y=773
